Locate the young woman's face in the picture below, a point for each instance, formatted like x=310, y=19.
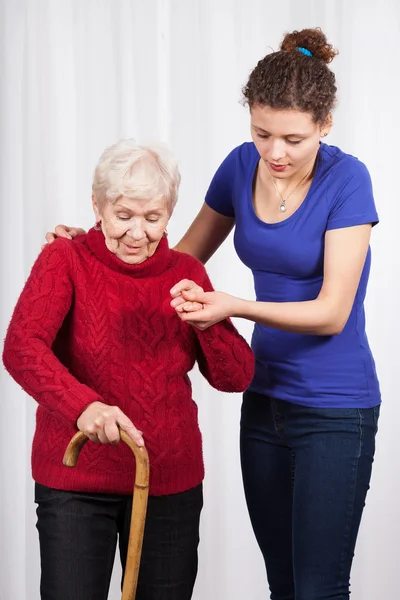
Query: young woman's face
x=132, y=227
x=287, y=140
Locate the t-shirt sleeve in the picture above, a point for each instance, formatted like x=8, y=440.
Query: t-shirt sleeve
x=353, y=203
x=220, y=193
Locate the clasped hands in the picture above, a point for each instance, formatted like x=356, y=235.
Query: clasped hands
x=199, y=308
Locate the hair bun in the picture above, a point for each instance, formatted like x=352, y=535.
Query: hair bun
x=313, y=40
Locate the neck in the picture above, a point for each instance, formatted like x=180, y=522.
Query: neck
x=151, y=267
x=302, y=176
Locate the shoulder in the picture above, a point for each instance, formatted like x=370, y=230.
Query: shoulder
x=349, y=191
x=234, y=167
x=343, y=165
x=244, y=154
x=61, y=248
x=54, y=260
x=65, y=246
x=246, y=151
x=241, y=156
x=64, y=250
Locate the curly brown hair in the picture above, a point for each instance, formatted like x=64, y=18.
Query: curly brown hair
x=291, y=79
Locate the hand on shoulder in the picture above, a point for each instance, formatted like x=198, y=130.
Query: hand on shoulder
x=63, y=231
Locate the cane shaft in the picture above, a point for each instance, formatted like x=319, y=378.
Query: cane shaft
x=139, y=505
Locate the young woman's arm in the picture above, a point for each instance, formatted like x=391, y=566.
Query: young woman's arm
x=206, y=234
x=344, y=258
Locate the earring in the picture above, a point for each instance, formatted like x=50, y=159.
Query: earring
x=325, y=134
x=165, y=234
x=97, y=226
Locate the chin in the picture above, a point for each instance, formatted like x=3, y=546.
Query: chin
x=135, y=260
x=131, y=260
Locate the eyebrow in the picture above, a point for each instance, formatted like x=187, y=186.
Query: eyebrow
x=301, y=135
x=122, y=207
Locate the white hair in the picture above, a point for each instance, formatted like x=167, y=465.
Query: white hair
x=145, y=172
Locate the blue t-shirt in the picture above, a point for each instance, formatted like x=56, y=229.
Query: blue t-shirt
x=286, y=259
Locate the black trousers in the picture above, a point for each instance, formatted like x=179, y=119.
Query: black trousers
x=78, y=535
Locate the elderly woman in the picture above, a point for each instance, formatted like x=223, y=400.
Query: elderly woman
x=94, y=340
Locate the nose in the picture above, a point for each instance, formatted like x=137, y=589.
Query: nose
x=136, y=230
x=277, y=151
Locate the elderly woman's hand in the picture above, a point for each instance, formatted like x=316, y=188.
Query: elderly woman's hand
x=199, y=308
x=101, y=422
x=181, y=294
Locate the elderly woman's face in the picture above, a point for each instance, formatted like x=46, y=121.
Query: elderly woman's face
x=132, y=227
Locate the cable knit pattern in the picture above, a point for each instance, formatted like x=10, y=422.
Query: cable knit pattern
x=89, y=327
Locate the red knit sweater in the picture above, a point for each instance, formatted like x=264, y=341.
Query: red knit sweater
x=89, y=327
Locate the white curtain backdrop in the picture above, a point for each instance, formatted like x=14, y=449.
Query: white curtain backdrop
x=76, y=75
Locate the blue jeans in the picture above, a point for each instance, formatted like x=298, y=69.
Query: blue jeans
x=306, y=473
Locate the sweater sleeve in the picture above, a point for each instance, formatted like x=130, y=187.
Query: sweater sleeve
x=37, y=317
x=223, y=355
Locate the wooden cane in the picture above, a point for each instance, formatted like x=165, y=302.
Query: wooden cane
x=139, y=505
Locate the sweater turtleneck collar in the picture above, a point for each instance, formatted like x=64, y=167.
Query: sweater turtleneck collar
x=151, y=267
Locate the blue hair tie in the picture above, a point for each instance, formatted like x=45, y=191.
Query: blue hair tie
x=304, y=51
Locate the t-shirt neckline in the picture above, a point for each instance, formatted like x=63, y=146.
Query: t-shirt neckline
x=249, y=192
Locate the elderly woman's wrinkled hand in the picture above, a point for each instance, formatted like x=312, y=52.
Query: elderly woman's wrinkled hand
x=183, y=293
x=199, y=308
x=101, y=423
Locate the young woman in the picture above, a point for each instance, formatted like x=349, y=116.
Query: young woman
x=303, y=213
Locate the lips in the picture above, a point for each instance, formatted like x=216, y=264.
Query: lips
x=133, y=249
x=278, y=167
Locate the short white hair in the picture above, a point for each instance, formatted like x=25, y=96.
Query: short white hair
x=145, y=172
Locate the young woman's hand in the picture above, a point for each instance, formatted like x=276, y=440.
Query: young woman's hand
x=63, y=231
x=101, y=423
